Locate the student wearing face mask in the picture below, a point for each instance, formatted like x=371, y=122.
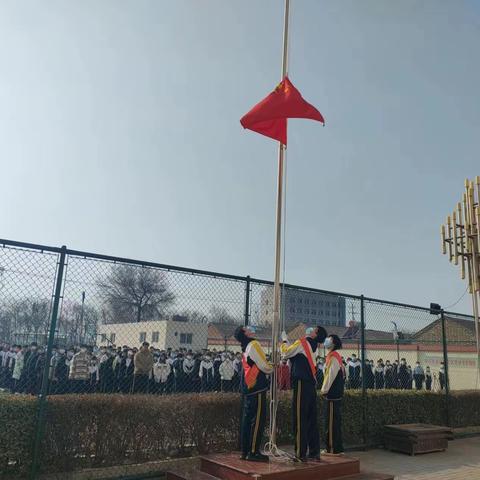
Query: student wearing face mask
x=254, y=386
x=418, y=376
x=125, y=372
x=94, y=375
x=441, y=376
x=17, y=370
x=226, y=372
x=161, y=372
x=206, y=373
x=116, y=356
x=106, y=371
x=369, y=375
x=39, y=367
x=217, y=361
x=354, y=372
x=61, y=373
x=380, y=376
x=304, y=377
x=333, y=388
x=410, y=377
x=178, y=373
x=428, y=379
x=171, y=357
x=10, y=366
x=143, y=364
x=196, y=380
x=189, y=372
x=389, y=375
x=79, y=374
x=403, y=375
x=30, y=369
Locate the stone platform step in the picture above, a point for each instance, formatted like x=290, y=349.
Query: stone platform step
x=368, y=476
x=230, y=467
x=189, y=475
x=198, y=475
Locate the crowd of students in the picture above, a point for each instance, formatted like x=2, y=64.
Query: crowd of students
x=109, y=369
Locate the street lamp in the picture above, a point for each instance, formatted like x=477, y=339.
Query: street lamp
x=436, y=309
x=82, y=329
x=396, y=338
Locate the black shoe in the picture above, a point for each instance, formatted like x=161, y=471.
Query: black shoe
x=315, y=458
x=257, y=457
x=243, y=457
x=301, y=459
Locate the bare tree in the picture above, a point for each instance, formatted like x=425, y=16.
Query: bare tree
x=25, y=317
x=78, y=324
x=221, y=315
x=136, y=293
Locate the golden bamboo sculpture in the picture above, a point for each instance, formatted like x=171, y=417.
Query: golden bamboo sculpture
x=461, y=241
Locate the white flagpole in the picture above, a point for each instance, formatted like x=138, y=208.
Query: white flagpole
x=278, y=250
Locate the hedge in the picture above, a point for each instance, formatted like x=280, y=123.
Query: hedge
x=104, y=430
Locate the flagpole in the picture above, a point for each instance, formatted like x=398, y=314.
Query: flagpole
x=278, y=249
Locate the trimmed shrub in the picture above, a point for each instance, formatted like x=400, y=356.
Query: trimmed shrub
x=104, y=430
x=17, y=430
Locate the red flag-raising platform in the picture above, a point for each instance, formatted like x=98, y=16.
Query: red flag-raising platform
x=228, y=466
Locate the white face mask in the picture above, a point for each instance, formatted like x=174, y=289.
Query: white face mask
x=328, y=343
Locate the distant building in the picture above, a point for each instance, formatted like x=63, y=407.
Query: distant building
x=303, y=306
x=459, y=331
x=161, y=334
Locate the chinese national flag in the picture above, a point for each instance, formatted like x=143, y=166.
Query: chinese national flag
x=269, y=117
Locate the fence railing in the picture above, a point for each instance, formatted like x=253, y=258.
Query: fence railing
x=73, y=322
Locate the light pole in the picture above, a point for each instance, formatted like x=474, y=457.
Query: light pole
x=396, y=338
x=436, y=309
x=82, y=329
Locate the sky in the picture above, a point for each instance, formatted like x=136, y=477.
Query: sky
x=120, y=134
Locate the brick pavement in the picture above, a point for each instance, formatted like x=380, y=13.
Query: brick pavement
x=460, y=462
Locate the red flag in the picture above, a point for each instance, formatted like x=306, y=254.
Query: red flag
x=269, y=117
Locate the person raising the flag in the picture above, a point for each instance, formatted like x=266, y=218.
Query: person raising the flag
x=304, y=377
x=254, y=386
x=332, y=388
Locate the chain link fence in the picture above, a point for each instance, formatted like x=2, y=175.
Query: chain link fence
x=80, y=323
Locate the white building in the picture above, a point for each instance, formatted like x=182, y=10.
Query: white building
x=161, y=334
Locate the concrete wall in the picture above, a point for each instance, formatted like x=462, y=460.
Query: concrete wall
x=168, y=334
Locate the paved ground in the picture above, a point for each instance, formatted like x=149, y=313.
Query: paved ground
x=460, y=462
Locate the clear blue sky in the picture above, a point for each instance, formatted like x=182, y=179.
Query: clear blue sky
x=119, y=133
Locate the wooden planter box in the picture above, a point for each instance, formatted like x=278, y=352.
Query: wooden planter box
x=416, y=438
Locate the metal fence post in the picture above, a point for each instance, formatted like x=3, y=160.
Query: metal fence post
x=364, y=387
x=42, y=399
x=445, y=363
x=247, y=300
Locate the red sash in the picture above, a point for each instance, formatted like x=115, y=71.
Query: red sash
x=250, y=372
x=339, y=360
x=308, y=354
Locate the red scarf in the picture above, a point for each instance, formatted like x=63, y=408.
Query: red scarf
x=308, y=354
